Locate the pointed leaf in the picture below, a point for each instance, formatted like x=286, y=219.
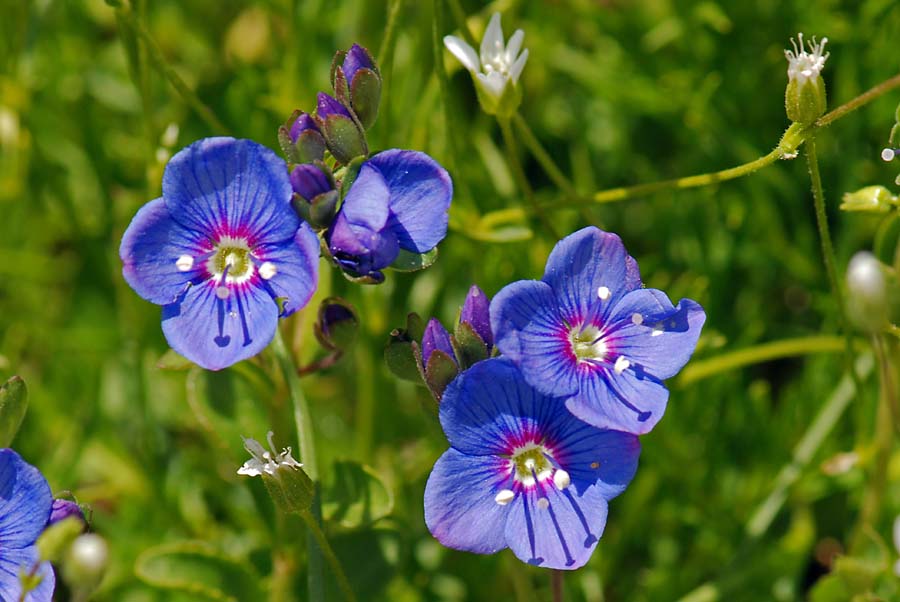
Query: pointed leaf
x=356, y=496
x=13, y=405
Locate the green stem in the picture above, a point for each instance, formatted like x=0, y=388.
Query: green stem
x=512, y=156
x=543, y=157
x=303, y=421
x=828, y=250
x=333, y=562
x=556, y=584
x=698, y=370
x=158, y=60
x=790, y=142
x=386, y=62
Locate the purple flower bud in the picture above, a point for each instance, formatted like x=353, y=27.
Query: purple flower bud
x=436, y=338
x=62, y=509
x=328, y=106
x=301, y=124
x=308, y=181
x=357, y=58
x=476, y=313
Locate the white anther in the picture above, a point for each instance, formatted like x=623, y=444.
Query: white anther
x=656, y=332
x=543, y=503
x=222, y=292
x=888, y=154
x=637, y=319
x=184, y=263
x=622, y=364
x=529, y=463
x=603, y=293
x=267, y=270
x=561, y=479
x=504, y=497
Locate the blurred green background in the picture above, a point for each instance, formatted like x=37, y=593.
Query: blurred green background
x=619, y=92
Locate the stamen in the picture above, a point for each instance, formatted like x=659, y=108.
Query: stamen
x=267, y=270
x=222, y=292
x=622, y=364
x=543, y=503
x=504, y=497
x=888, y=154
x=603, y=293
x=561, y=479
x=656, y=332
x=637, y=319
x=595, y=465
x=184, y=263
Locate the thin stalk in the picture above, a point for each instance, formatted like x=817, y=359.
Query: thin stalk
x=303, y=421
x=556, y=584
x=724, y=362
x=333, y=562
x=828, y=251
x=158, y=60
x=386, y=63
x=543, y=157
x=512, y=156
x=793, y=138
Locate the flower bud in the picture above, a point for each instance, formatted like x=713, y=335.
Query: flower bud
x=300, y=139
x=867, y=292
x=287, y=483
x=85, y=563
x=337, y=326
x=357, y=82
x=871, y=199
x=315, y=197
x=438, y=359
x=343, y=134
x=472, y=338
x=804, y=98
x=63, y=509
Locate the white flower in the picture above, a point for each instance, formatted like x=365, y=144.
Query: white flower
x=802, y=65
x=499, y=63
x=265, y=461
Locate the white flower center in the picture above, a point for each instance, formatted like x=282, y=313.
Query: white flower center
x=587, y=343
x=803, y=65
x=231, y=262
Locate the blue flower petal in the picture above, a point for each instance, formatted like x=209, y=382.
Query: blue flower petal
x=460, y=510
x=357, y=58
x=216, y=333
x=151, y=246
x=582, y=263
x=594, y=457
x=25, y=502
x=223, y=186
x=489, y=405
x=476, y=313
x=358, y=237
x=631, y=401
x=653, y=335
x=297, y=268
x=530, y=331
x=309, y=181
x=420, y=194
x=17, y=560
x=560, y=532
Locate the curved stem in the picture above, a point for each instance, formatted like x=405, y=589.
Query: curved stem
x=543, y=157
x=512, y=156
x=864, y=98
x=698, y=370
x=333, y=562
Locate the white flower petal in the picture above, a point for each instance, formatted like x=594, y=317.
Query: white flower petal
x=493, y=82
x=492, y=42
x=516, y=69
x=513, y=46
x=463, y=52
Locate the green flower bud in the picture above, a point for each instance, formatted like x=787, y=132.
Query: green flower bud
x=288, y=485
x=337, y=326
x=85, y=563
x=867, y=292
x=804, y=98
x=871, y=199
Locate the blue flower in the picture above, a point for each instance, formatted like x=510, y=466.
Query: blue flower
x=436, y=338
x=399, y=200
x=476, y=313
x=25, y=503
x=522, y=472
x=589, y=333
x=219, y=248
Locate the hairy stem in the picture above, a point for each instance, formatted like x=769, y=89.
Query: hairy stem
x=313, y=525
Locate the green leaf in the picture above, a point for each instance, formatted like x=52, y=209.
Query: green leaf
x=468, y=346
x=13, y=405
x=199, y=570
x=440, y=370
x=407, y=261
x=356, y=496
x=365, y=95
x=400, y=357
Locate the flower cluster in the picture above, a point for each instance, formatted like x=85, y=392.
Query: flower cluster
x=26, y=509
x=370, y=209
x=233, y=243
x=544, y=436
